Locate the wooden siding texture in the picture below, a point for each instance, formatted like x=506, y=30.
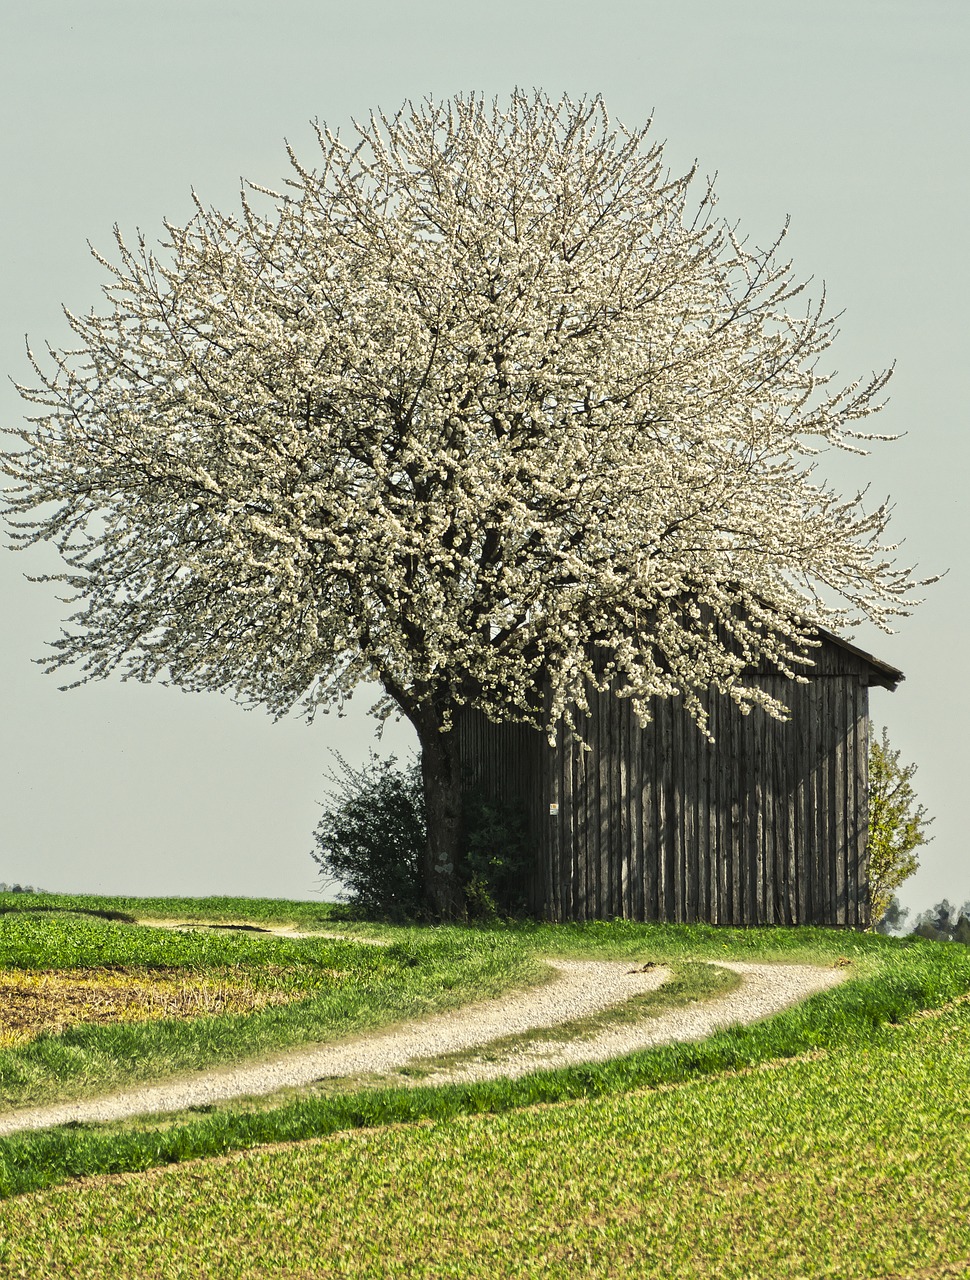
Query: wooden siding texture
x=766, y=825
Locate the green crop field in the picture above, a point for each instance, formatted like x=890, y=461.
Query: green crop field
x=832, y=1140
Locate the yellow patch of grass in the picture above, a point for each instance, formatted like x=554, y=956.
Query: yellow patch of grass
x=34, y=1002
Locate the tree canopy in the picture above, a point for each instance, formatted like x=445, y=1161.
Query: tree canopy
x=480, y=397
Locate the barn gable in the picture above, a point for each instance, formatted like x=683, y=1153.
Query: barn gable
x=767, y=825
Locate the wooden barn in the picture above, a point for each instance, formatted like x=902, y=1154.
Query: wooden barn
x=767, y=825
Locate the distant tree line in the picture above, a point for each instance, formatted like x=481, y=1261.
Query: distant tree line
x=19, y=888
x=941, y=923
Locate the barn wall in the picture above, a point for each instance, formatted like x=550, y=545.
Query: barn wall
x=765, y=826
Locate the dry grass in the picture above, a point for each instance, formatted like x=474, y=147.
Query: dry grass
x=44, y=1002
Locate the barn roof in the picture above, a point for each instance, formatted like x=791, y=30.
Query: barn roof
x=878, y=672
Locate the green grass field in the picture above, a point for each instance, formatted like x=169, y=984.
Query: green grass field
x=831, y=1140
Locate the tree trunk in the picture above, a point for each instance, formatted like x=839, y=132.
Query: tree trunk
x=441, y=774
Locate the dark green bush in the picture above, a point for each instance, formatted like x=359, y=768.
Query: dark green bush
x=371, y=837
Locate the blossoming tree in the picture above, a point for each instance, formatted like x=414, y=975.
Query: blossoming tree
x=477, y=406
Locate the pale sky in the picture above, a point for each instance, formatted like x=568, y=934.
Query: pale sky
x=849, y=115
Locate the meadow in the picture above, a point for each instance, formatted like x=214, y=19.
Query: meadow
x=830, y=1140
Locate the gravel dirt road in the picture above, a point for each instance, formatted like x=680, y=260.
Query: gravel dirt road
x=578, y=989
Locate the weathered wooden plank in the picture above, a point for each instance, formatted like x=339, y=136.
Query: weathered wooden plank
x=761, y=734
x=502, y=739
x=790, y=776
x=694, y=817
x=651, y=826
x=613, y=906
x=852, y=831
x=769, y=883
x=578, y=827
x=799, y=852
x=637, y=868
x=686, y=815
x=604, y=807
x=803, y=852
x=552, y=760
x=771, y=846
x=551, y=789
x=614, y=854
x=774, y=878
x=621, y=886
x=567, y=841
x=597, y=832
x=713, y=814
x=758, y=727
x=829, y=810
x=864, y=911
x=543, y=877
x=825, y=804
x=781, y=751
x=594, y=814
x=730, y=776
x=722, y=810
x=814, y=828
x=851, y=823
x=696, y=800
x=785, y=809
x=552, y=796
x=625, y=850
x=659, y=812
x=712, y=838
x=583, y=802
x=848, y=772
x=707, y=826
x=590, y=817
x=783, y=813
x=851, y=827
x=705, y=809
x=582, y=836
x=748, y=884
x=839, y=800
x=830, y=802
x=750, y=825
x=666, y=812
x=569, y=830
x=820, y=814
x=675, y=784
x=736, y=816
